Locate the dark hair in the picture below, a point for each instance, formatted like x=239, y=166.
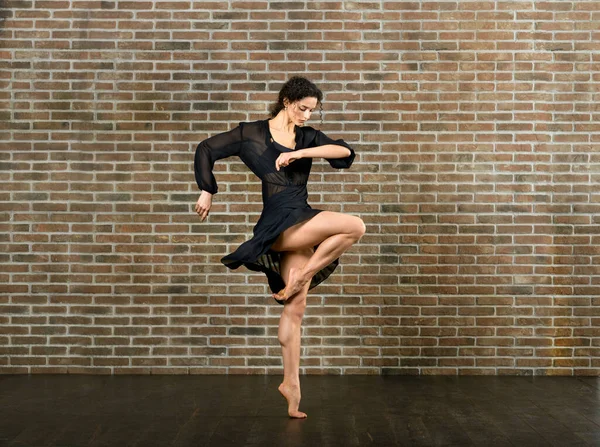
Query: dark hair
x=295, y=89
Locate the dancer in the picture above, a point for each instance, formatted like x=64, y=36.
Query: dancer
x=296, y=246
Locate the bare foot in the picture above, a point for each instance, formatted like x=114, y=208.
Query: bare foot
x=292, y=395
x=294, y=285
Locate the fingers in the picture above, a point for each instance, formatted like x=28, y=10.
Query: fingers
x=203, y=205
x=202, y=211
x=282, y=160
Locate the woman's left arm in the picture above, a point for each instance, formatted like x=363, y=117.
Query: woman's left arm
x=338, y=153
x=325, y=151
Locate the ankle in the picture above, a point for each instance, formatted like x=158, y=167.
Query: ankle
x=304, y=275
x=289, y=383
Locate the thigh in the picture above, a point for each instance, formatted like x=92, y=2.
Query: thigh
x=314, y=231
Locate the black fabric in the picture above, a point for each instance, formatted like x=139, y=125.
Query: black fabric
x=284, y=192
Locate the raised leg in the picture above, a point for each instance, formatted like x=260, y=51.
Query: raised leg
x=333, y=232
x=290, y=332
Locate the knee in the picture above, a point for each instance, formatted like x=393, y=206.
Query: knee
x=358, y=228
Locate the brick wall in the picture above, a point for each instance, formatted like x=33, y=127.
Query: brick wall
x=477, y=174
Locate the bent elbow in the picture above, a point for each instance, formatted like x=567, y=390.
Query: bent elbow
x=347, y=151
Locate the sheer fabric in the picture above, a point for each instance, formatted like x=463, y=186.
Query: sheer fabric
x=284, y=192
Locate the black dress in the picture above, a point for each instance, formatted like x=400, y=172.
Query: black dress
x=284, y=192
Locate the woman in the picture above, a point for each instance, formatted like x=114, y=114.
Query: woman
x=296, y=246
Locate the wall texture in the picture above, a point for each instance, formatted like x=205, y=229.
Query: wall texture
x=477, y=131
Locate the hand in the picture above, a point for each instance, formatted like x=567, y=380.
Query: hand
x=285, y=158
x=203, y=205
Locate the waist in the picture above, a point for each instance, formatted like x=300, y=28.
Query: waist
x=286, y=196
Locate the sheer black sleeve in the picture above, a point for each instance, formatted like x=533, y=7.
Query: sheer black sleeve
x=337, y=163
x=220, y=146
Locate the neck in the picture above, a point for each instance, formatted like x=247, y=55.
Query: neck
x=283, y=123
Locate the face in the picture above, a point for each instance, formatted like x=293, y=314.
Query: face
x=300, y=111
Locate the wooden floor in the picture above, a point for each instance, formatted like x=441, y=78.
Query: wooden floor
x=79, y=410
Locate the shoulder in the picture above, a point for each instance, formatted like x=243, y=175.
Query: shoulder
x=308, y=129
x=308, y=133
x=253, y=130
x=252, y=124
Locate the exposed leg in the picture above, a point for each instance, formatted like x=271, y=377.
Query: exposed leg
x=290, y=331
x=333, y=232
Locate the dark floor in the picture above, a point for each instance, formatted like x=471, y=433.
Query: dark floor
x=76, y=410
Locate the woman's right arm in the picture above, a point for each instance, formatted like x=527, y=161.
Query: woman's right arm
x=208, y=151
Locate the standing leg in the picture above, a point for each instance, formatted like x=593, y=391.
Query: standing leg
x=290, y=331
